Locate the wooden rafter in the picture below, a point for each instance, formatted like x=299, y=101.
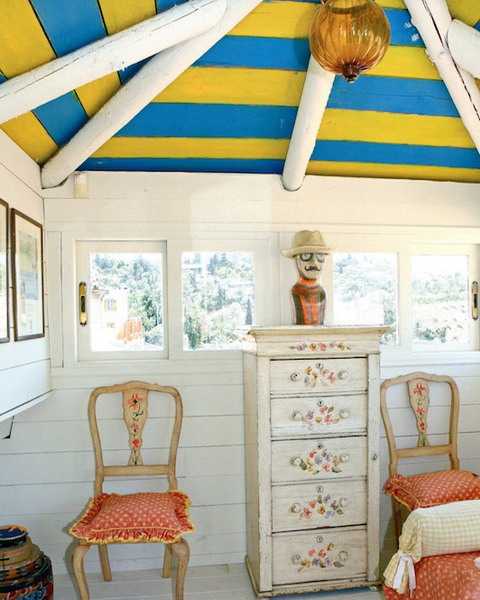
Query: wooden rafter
x=316, y=91
x=47, y=82
x=154, y=77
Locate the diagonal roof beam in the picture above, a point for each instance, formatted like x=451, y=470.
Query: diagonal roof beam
x=47, y=82
x=154, y=77
x=464, y=45
x=316, y=91
x=433, y=20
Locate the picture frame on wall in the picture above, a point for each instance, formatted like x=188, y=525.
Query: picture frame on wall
x=27, y=277
x=4, y=283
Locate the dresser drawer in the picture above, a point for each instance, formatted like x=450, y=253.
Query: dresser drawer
x=323, y=376
x=303, y=460
x=317, y=556
x=326, y=504
x=306, y=415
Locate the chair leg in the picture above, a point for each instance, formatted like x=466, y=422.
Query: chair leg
x=397, y=519
x=105, y=562
x=182, y=554
x=79, y=571
x=167, y=561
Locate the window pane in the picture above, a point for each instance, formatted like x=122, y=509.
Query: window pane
x=126, y=301
x=440, y=299
x=218, y=299
x=365, y=290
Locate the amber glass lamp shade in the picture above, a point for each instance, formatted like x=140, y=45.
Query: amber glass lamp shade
x=349, y=36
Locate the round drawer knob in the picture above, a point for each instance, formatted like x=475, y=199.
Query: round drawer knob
x=343, y=502
x=344, y=413
x=295, y=508
x=344, y=458
x=296, y=415
x=295, y=461
x=375, y=456
x=319, y=539
x=342, y=375
x=295, y=376
x=296, y=558
x=320, y=489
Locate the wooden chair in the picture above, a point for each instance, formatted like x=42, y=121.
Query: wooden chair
x=459, y=482
x=135, y=411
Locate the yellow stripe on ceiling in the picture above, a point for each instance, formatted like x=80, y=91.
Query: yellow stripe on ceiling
x=391, y=128
x=278, y=19
x=23, y=44
x=161, y=147
x=350, y=169
x=401, y=61
x=285, y=19
x=467, y=11
x=119, y=15
x=93, y=95
x=215, y=85
x=30, y=135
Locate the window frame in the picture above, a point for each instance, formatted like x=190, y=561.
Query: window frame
x=83, y=250
x=263, y=249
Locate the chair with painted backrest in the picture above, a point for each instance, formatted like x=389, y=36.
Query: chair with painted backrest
x=426, y=489
x=134, y=518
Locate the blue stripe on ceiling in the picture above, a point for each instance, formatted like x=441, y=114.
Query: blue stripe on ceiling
x=396, y=154
x=192, y=165
x=257, y=52
x=62, y=117
x=402, y=31
x=70, y=27
x=212, y=120
x=477, y=26
x=391, y=94
x=166, y=4
x=130, y=71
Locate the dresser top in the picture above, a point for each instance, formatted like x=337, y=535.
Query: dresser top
x=307, y=339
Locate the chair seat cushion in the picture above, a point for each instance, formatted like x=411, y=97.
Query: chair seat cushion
x=431, y=489
x=134, y=518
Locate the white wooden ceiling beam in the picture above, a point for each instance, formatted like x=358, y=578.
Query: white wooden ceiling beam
x=153, y=77
x=25, y=92
x=464, y=45
x=433, y=20
x=316, y=91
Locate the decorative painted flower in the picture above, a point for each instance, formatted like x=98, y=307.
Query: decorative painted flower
x=321, y=347
x=317, y=460
x=321, y=558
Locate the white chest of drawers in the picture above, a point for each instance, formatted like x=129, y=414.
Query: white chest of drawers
x=312, y=464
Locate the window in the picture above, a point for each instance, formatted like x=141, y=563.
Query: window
x=440, y=300
x=125, y=299
x=365, y=288
x=218, y=290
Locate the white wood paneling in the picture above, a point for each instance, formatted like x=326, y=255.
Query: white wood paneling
x=25, y=365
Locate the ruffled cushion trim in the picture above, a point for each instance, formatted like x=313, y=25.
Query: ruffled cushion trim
x=84, y=531
x=400, y=488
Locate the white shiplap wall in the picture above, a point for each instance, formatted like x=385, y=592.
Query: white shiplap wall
x=48, y=475
x=24, y=366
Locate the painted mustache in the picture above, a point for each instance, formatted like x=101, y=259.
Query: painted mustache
x=312, y=269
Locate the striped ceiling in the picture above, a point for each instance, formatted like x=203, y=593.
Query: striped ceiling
x=234, y=110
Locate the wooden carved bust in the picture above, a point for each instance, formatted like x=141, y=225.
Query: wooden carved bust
x=309, y=298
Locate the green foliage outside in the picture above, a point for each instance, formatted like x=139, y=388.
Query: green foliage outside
x=360, y=275
x=143, y=280
x=218, y=298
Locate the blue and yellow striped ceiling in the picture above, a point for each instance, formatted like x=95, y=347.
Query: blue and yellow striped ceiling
x=234, y=110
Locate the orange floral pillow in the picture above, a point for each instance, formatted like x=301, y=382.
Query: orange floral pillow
x=431, y=489
x=134, y=518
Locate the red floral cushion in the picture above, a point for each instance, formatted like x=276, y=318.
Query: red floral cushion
x=134, y=518
x=431, y=489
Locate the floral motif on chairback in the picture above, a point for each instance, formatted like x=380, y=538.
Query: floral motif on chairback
x=419, y=395
x=135, y=412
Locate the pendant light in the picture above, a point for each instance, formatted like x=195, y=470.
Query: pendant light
x=349, y=36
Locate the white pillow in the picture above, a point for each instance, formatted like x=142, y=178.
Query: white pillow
x=445, y=529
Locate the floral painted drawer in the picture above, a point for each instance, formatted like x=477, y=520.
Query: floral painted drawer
x=320, y=555
x=329, y=504
x=304, y=460
x=310, y=415
x=318, y=376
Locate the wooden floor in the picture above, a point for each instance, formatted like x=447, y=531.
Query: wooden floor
x=229, y=582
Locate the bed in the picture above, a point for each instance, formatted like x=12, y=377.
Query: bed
x=447, y=577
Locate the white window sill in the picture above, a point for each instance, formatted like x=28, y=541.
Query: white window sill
x=421, y=358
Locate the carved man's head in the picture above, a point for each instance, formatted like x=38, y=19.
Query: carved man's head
x=309, y=251
x=310, y=264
